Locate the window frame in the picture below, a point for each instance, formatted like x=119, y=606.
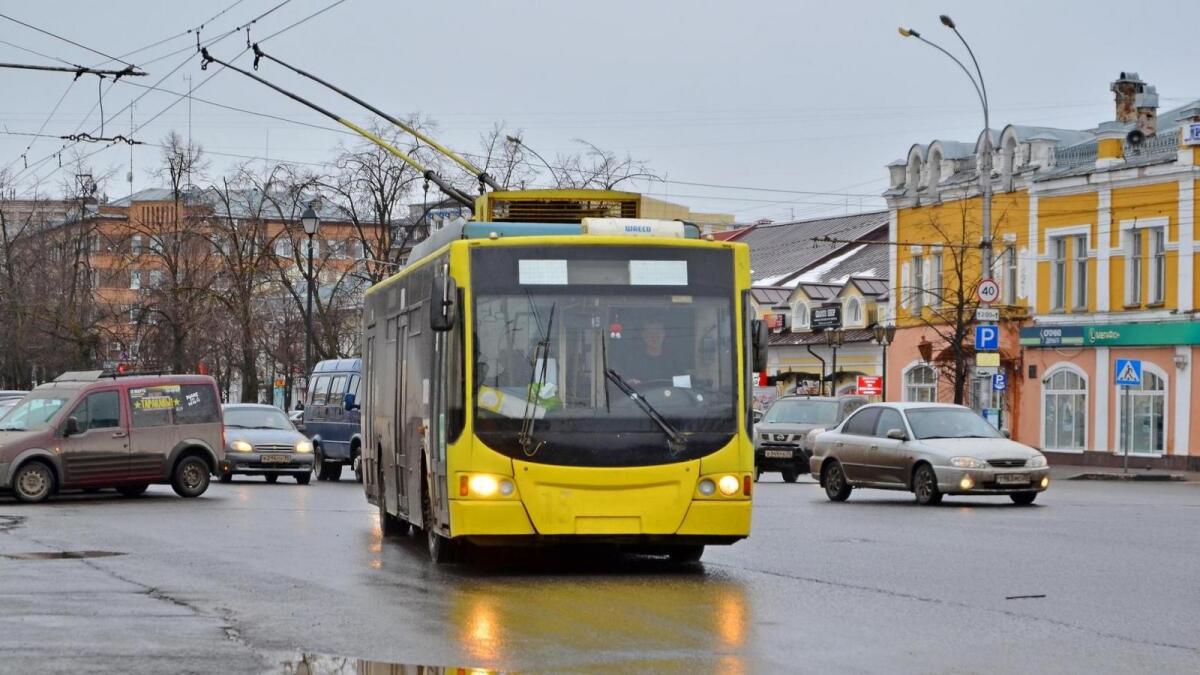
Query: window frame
x=1058, y=274
x=1047, y=393
x=1158, y=265
x=319, y=380
x=1079, y=280
x=1133, y=268
x=1123, y=405
x=909, y=386
x=917, y=297
x=1010, y=276
x=862, y=412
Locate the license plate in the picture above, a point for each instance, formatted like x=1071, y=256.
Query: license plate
x=778, y=454
x=276, y=459
x=1012, y=479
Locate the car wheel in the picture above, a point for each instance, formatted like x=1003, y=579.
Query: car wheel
x=33, y=482
x=1023, y=498
x=191, y=477
x=318, y=463
x=925, y=486
x=303, y=478
x=790, y=475
x=687, y=554
x=272, y=477
x=441, y=549
x=133, y=490
x=333, y=471
x=356, y=464
x=837, y=488
x=226, y=477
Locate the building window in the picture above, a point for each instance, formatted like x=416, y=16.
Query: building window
x=1158, y=265
x=1143, y=415
x=316, y=247
x=1133, y=268
x=853, y=311
x=135, y=279
x=1058, y=277
x=155, y=278
x=1010, y=276
x=920, y=384
x=934, y=287
x=135, y=244
x=918, y=293
x=1079, y=283
x=1064, y=410
x=283, y=247
x=800, y=316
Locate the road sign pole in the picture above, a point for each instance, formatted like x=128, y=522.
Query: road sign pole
x=1128, y=430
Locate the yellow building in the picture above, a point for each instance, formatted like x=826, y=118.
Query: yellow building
x=1095, y=252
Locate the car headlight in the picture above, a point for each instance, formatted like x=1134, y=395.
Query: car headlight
x=968, y=463
x=1037, y=462
x=304, y=446
x=241, y=446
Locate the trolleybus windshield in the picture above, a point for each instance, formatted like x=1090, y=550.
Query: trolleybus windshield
x=659, y=319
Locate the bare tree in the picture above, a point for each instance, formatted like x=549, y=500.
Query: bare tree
x=596, y=168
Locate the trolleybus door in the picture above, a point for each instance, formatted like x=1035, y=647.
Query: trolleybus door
x=393, y=462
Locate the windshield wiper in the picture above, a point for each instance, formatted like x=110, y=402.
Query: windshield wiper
x=677, y=440
x=532, y=394
x=13, y=429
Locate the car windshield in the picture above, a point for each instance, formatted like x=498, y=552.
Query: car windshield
x=256, y=418
x=949, y=423
x=32, y=413
x=800, y=411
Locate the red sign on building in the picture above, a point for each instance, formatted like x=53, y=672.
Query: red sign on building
x=870, y=385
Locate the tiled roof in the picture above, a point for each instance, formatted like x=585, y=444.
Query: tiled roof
x=812, y=338
x=782, y=250
x=770, y=296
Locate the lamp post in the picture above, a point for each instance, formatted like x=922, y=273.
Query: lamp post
x=311, y=222
x=985, y=162
x=834, y=338
x=884, y=336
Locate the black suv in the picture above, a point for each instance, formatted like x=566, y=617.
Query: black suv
x=780, y=438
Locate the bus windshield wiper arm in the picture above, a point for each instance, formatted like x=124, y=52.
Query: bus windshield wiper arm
x=533, y=393
x=672, y=433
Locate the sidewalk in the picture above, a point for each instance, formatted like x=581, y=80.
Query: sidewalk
x=1068, y=472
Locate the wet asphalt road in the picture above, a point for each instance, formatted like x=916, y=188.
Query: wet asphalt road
x=251, y=577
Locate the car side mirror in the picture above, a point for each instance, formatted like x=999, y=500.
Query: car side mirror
x=897, y=435
x=350, y=403
x=71, y=428
x=759, y=337
x=442, y=297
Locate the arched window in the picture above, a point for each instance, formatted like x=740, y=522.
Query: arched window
x=800, y=316
x=1008, y=162
x=1143, y=414
x=1064, y=410
x=912, y=180
x=933, y=171
x=853, y=311
x=920, y=384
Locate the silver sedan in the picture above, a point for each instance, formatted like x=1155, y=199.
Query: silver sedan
x=260, y=440
x=930, y=449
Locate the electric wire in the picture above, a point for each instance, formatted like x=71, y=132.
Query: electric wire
x=67, y=40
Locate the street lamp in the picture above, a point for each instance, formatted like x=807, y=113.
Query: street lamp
x=311, y=222
x=518, y=142
x=834, y=338
x=985, y=167
x=884, y=335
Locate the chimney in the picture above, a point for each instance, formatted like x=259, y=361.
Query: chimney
x=1127, y=87
x=1147, y=111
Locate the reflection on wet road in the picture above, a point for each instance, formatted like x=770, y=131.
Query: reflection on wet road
x=285, y=578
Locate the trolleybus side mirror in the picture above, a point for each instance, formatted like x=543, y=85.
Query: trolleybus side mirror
x=758, y=334
x=445, y=292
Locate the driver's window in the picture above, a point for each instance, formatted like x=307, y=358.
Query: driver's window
x=888, y=420
x=80, y=413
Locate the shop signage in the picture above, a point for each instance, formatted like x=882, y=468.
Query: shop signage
x=870, y=385
x=1113, y=335
x=1191, y=135
x=826, y=317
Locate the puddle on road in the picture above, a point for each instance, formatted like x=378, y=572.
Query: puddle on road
x=61, y=555
x=324, y=664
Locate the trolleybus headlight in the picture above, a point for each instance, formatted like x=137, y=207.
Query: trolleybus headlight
x=241, y=446
x=729, y=485
x=506, y=487
x=707, y=487
x=484, y=486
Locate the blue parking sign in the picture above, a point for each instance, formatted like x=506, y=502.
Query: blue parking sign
x=987, y=338
x=999, y=382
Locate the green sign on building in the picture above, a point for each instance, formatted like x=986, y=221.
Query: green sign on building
x=1114, y=335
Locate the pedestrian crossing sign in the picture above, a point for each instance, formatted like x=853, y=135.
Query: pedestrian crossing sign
x=1129, y=373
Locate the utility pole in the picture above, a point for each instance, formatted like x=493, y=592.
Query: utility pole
x=189, y=166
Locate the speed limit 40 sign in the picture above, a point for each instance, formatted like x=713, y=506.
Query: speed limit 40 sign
x=988, y=291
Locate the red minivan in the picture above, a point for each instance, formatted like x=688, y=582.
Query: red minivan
x=95, y=429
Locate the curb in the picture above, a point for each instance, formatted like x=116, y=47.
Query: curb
x=1151, y=477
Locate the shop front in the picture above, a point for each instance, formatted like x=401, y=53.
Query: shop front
x=1104, y=394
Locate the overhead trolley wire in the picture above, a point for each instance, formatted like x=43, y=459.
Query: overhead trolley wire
x=67, y=40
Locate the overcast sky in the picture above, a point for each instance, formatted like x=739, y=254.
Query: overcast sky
x=785, y=95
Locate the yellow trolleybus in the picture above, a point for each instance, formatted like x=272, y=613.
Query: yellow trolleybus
x=585, y=378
